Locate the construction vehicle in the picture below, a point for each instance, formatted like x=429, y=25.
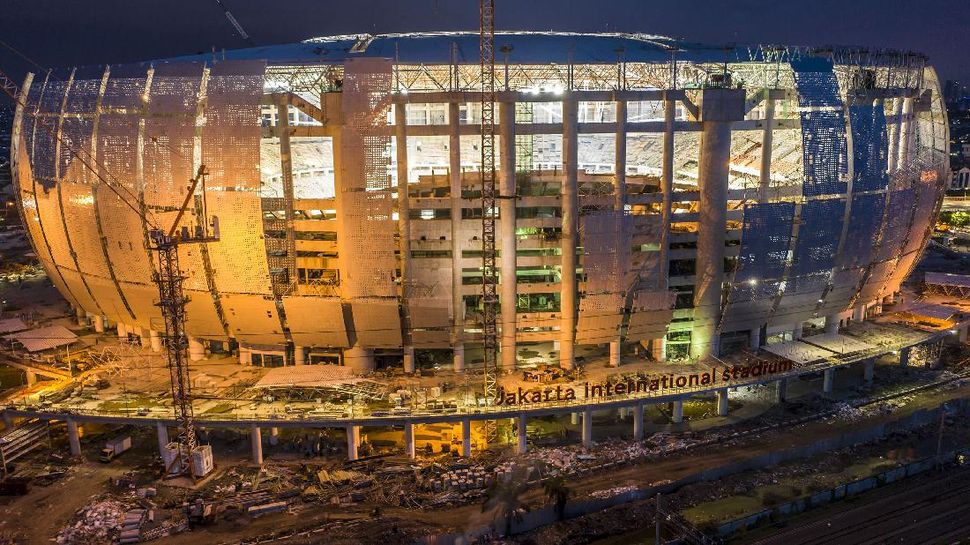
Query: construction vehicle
x=113, y=448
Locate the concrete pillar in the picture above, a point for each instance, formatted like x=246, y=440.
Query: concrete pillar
x=638, y=422
x=798, y=331
x=781, y=390
x=156, y=340
x=466, y=438
x=274, y=436
x=832, y=324
x=7, y=421
x=256, y=442
x=677, y=411
x=161, y=430
x=828, y=381
x=82, y=316
x=144, y=337
x=507, y=247
x=522, y=446
x=74, y=438
x=666, y=182
x=98, y=323
x=588, y=428
x=409, y=449
x=570, y=232
x=859, y=312
x=353, y=441
x=299, y=355
x=894, y=130
x=122, y=331
x=718, y=109
x=574, y=419
x=869, y=370
x=31, y=378
x=457, y=304
x=196, y=349
x=615, y=353
x=722, y=402
x=907, y=132
x=360, y=359
x=754, y=339
x=904, y=357
x=766, y=145
x=404, y=224
x=962, y=334
x=409, y=365
x=658, y=349
x=245, y=356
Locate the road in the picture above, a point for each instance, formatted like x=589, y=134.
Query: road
x=930, y=510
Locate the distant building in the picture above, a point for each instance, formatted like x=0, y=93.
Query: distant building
x=953, y=91
x=960, y=179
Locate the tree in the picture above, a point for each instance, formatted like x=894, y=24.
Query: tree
x=504, y=498
x=558, y=492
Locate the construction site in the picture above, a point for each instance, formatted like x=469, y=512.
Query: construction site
x=467, y=287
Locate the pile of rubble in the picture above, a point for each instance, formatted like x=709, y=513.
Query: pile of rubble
x=97, y=523
x=461, y=479
x=611, y=492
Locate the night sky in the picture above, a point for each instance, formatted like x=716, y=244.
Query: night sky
x=72, y=32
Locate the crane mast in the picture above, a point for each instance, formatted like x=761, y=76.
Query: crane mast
x=489, y=200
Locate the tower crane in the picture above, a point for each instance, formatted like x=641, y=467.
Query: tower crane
x=168, y=278
x=489, y=200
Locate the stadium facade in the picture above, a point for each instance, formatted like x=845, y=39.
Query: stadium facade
x=683, y=198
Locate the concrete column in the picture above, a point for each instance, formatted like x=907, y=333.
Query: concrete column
x=722, y=402
x=658, y=349
x=828, y=381
x=274, y=436
x=859, y=312
x=98, y=323
x=574, y=418
x=404, y=224
x=869, y=370
x=718, y=108
x=299, y=355
x=122, y=331
x=82, y=316
x=894, y=131
x=508, y=263
x=409, y=440
x=781, y=390
x=904, y=357
x=638, y=422
x=766, y=144
x=156, y=340
x=666, y=183
x=245, y=356
x=409, y=365
x=754, y=339
x=588, y=428
x=196, y=349
x=74, y=438
x=466, y=438
x=161, y=430
x=906, y=133
x=353, y=441
x=677, y=411
x=31, y=378
x=454, y=172
x=256, y=442
x=615, y=353
x=962, y=334
x=798, y=331
x=7, y=421
x=832, y=323
x=144, y=337
x=570, y=232
x=523, y=438
x=360, y=359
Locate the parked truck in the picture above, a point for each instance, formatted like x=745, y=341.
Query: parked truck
x=114, y=448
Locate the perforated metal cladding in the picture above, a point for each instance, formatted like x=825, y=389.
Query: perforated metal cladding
x=652, y=311
x=897, y=223
x=865, y=219
x=252, y=319
x=230, y=138
x=763, y=257
x=823, y=127
x=364, y=194
x=870, y=147
x=316, y=321
x=818, y=237
x=377, y=323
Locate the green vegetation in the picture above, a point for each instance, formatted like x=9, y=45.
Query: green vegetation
x=957, y=218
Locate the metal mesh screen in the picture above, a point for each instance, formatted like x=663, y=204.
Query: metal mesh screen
x=823, y=127
x=870, y=147
x=865, y=218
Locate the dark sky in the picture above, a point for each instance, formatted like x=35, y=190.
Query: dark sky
x=75, y=32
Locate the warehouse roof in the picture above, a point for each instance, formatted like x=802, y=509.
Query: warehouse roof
x=43, y=338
